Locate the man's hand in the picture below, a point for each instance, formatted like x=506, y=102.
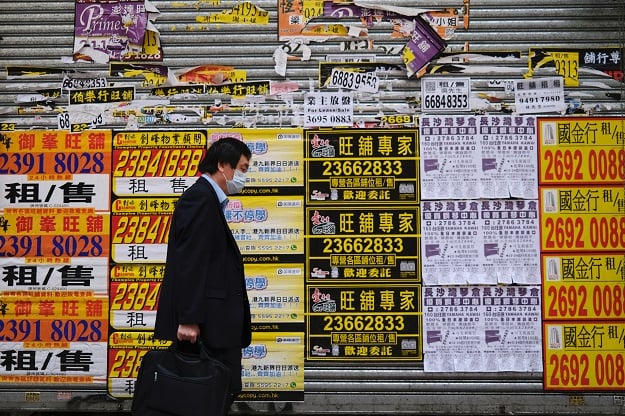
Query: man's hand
x=188, y=332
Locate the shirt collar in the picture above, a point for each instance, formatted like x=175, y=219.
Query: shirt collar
x=221, y=195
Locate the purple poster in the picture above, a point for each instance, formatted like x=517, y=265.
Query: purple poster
x=111, y=30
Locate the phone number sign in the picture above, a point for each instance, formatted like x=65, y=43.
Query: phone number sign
x=364, y=322
x=584, y=356
x=583, y=151
x=583, y=287
x=446, y=94
x=362, y=166
x=582, y=219
x=377, y=243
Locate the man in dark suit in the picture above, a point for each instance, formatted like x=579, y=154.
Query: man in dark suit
x=203, y=291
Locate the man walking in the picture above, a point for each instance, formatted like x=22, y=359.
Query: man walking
x=203, y=291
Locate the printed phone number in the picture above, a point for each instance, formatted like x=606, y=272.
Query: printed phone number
x=135, y=296
x=125, y=363
x=354, y=80
x=39, y=163
x=156, y=162
x=362, y=167
x=364, y=245
x=56, y=246
x=57, y=330
x=570, y=233
x=601, y=370
x=446, y=102
x=133, y=229
x=572, y=301
x=363, y=323
x=597, y=165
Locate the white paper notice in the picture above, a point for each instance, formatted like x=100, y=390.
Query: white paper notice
x=539, y=95
x=511, y=241
x=468, y=157
x=509, y=157
x=451, y=242
x=450, y=157
x=480, y=242
x=482, y=329
x=328, y=109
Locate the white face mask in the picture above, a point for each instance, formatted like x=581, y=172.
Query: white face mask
x=237, y=183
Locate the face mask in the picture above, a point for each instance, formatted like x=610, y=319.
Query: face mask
x=237, y=183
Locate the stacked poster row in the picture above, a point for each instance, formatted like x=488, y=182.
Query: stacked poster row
x=363, y=283
x=480, y=235
x=582, y=204
x=54, y=245
x=85, y=222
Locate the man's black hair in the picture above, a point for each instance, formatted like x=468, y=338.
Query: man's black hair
x=227, y=150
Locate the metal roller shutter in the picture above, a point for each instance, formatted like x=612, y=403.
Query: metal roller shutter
x=40, y=33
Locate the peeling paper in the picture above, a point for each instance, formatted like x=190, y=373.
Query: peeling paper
x=424, y=45
x=280, y=58
x=242, y=13
x=89, y=116
x=444, y=21
x=88, y=54
x=291, y=19
x=467, y=69
x=154, y=75
x=18, y=72
x=197, y=4
x=279, y=88
x=208, y=74
x=402, y=11
x=49, y=97
x=135, y=113
x=284, y=54
x=485, y=56
x=423, y=27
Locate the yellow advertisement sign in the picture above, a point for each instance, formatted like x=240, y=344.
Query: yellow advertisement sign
x=275, y=292
x=583, y=287
x=277, y=156
x=584, y=356
x=582, y=219
x=126, y=350
x=581, y=150
x=273, y=367
x=158, y=139
x=267, y=225
x=565, y=64
x=137, y=272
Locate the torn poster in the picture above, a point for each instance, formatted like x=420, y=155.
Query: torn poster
x=424, y=45
x=154, y=75
x=569, y=62
x=115, y=31
x=242, y=13
x=445, y=21
x=294, y=18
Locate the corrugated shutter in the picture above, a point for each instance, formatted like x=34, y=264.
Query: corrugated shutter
x=40, y=33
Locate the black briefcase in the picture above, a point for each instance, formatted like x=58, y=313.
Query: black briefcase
x=181, y=383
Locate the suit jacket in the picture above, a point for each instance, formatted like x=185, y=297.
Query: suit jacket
x=204, y=280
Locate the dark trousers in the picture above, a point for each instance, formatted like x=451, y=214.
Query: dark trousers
x=231, y=357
